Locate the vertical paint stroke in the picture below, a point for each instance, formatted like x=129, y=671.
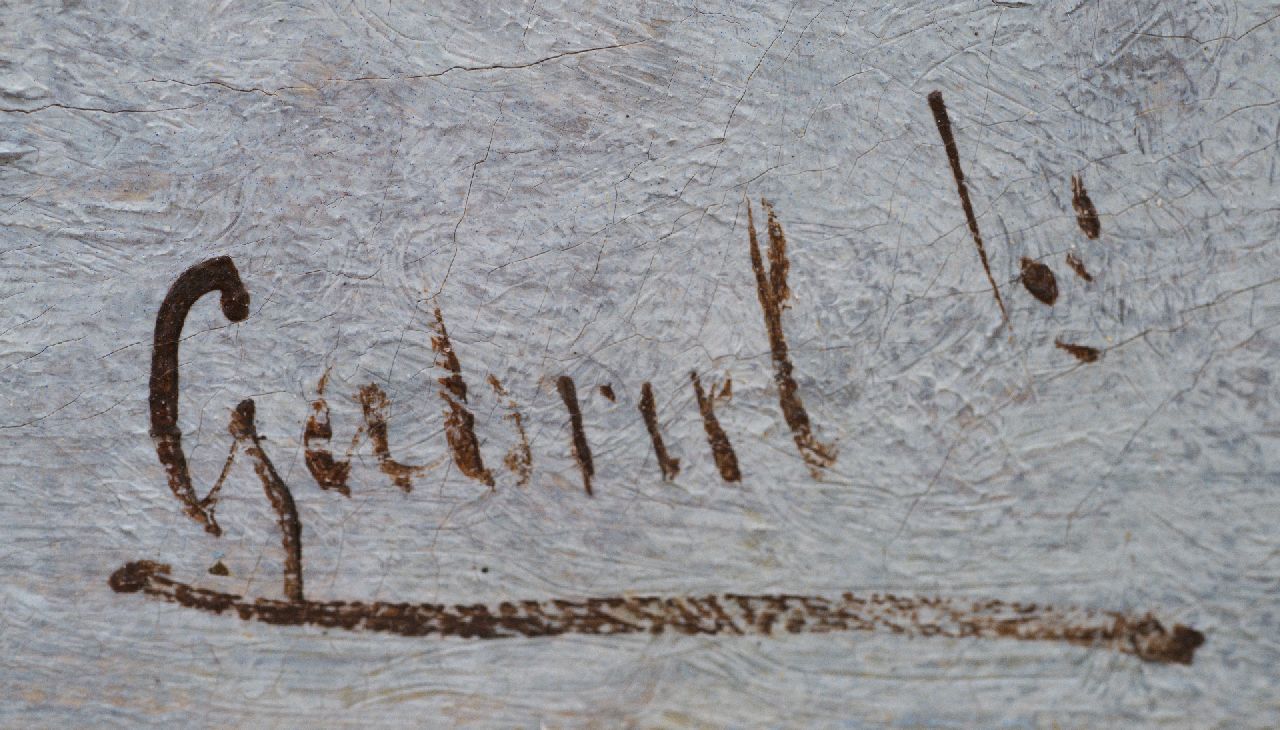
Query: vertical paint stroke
x=648, y=410
x=243, y=429
x=721, y=450
x=581, y=450
x=459, y=423
x=771, y=289
x=949, y=141
x=519, y=458
x=1086, y=213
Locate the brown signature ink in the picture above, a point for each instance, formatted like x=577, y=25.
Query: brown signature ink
x=520, y=458
x=779, y=264
x=1039, y=280
x=1083, y=353
x=218, y=275
x=943, y=121
x=581, y=450
x=459, y=423
x=1142, y=636
x=606, y=390
x=243, y=430
x=327, y=472
x=772, y=290
x=1086, y=214
x=648, y=410
x=1078, y=266
x=375, y=404
x=721, y=450
x=330, y=473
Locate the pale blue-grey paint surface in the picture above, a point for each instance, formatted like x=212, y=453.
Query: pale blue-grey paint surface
x=566, y=181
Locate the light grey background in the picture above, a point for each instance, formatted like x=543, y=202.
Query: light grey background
x=566, y=181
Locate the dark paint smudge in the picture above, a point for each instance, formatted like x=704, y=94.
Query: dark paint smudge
x=1083, y=353
x=943, y=121
x=648, y=410
x=1040, y=281
x=1086, y=213
x=721, y=450
x=581, y=450
x=1078, y=266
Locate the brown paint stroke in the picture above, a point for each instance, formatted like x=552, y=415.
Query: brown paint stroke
x=328, y=472
x=940, y=117
x=1140, y=635
x=779, y=265
x=519, y=458
x=1038, y=279
x=459, y=423
x=1086, y=213
x=1078, y=266
x=721, y=450
x=446, y=358
x=670, y=466
x=220, y=275
x=243, y=430
x=606, y=390
x=771, y=288
x=581, y=450
x=374, y=404
x=1083, y=353
x=210, y=501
